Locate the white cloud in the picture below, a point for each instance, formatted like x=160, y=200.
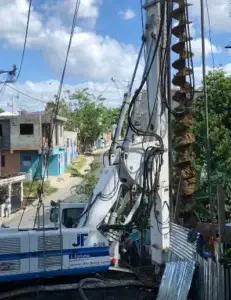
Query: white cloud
x=45, y=91
x=199, y=75
x=127, y=14
x=88, y=10
x=14, y=25
x=209, y=48
x=219, y=13
x=92, y=56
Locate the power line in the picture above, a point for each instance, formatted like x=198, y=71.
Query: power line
x=210, y=38
x=142, y=16
x=25, y=40
x=33, y=98
x=68, y=50
x=55, y=110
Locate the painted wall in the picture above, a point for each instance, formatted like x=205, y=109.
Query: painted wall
x=56, y=165
x=31, y=161
x=107, y=137
x=12, y=163
x=30, y=141
x=62, y=161
x=70, y=146
x=53, y=167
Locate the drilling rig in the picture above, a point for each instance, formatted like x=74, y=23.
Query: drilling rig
x=91, y=243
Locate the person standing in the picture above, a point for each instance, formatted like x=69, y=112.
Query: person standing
x=7, y=207
x=40, y=192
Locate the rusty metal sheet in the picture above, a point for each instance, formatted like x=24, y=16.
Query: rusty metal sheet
x=176, y=281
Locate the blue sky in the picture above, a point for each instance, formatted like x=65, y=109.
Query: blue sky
x=105, y=45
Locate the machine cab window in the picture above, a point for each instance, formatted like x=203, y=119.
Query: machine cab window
x=71, y=216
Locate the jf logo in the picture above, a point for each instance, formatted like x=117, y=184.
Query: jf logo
x=81, y=238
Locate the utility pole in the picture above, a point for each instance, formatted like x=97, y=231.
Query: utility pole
x=12, y=103
x=205, y=94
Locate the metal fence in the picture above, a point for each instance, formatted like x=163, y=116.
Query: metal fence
x=227, y=282
x=212, y=280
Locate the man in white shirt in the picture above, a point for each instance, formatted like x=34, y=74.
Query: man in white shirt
x=7, y=208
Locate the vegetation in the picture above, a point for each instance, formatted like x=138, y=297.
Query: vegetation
x=76, y=166
x=219, y=99
x=87, y=114
x=84, y=191
x=30, y=189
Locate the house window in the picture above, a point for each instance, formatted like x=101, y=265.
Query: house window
x=26, y=129
x=68, y=142
x=26, y=161
x=3, y=161
x=0, y=129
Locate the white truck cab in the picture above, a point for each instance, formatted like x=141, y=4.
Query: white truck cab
x=68, y=212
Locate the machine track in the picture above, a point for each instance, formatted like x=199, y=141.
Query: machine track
x=184, y=173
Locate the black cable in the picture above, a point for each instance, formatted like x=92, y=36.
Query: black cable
x=25, y=40
x=147, y=153
x=145, y=77
x=210, y=35
x=55, y=110
x=82, y=282
x=24, y=94
x=126, y=97
x=142, y=16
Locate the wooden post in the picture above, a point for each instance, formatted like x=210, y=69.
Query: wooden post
x=221, y=212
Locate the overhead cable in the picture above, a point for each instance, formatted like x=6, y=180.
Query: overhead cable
x=56, y=108
x=25, y=40
x=24, y=94
x=210, y=36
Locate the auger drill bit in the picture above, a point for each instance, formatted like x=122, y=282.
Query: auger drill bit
x=183, y=137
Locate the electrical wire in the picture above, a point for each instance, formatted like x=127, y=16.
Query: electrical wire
x=210, y=35
x=24, y=94
x=145, y=77
x=25, y=40
x=125, y=102
x=56, y=108
x=84, y=281
x=153, y=156
x=142, y=24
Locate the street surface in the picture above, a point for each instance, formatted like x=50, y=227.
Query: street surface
x=67, y=194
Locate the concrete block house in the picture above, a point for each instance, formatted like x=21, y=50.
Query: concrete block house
x=25, y=147
x=70, y=146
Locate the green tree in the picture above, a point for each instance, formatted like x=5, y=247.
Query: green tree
x=85, y=114
x=219, y=106
x=89, y=115
x=1, y=110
